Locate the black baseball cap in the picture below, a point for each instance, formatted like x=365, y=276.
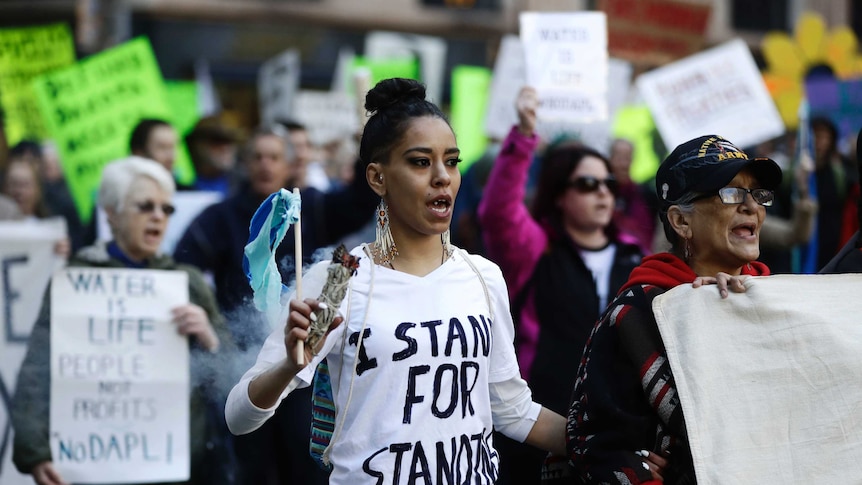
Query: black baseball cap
x=706, y=164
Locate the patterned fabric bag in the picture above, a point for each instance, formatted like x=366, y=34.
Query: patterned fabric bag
x=322, y=415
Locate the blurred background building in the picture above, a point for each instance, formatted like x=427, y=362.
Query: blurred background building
x=234, y=37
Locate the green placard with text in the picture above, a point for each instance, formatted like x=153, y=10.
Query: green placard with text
x=470, y=88
x=388, y=68
x=26, y=53
x=635, y=124
x=183, y=99
x=91, y=107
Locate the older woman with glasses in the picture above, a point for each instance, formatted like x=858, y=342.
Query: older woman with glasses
x=626, y=415
x=562, y=262
x=136, y=194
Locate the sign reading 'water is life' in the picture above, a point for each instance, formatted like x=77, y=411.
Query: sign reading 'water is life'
x=119, y=376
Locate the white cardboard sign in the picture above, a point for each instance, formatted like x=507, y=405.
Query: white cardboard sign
x=277, y=83
x=327, y=115
x=567, y=62
x=718, y=91
x=27, y=260
x=119, y=376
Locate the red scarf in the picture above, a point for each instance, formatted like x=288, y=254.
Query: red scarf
x=667, y=271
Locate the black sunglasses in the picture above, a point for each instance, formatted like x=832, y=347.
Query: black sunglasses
x=736, y=195
x=588, y=183
x=150, y=206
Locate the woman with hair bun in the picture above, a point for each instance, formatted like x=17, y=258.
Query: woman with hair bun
x=422, y=363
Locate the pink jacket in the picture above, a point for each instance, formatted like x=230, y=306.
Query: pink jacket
x=513, y=239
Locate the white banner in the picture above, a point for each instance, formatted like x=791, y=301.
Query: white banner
x=277, y=83
x=119, y=376
x=27, y=260
x=567, y=62
x=328, y=116
x=716, y=92
x=769, y=379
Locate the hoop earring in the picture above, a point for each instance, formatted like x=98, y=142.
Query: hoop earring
x=686, y=250
x=384, y=246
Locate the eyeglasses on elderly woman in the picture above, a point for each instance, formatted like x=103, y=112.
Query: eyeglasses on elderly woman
x=736, y=195
x=150, y=206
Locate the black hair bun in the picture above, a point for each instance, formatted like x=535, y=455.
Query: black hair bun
x=390, y=92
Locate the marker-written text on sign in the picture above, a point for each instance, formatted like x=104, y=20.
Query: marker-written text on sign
x=119, y=397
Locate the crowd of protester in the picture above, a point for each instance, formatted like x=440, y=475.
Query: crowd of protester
x=566, y=244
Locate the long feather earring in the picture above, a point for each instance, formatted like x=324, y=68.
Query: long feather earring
x=384, y=246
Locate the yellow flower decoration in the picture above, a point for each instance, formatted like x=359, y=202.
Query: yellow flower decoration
x=788, y=59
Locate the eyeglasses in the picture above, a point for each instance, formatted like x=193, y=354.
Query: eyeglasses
x=150, y=206
x=736, y=195
x=587, y=184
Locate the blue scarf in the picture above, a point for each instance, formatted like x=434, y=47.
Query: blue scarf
x=268, y=227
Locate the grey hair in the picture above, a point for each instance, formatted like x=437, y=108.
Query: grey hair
x=119, y=175
x=282, y=133
x=686, y=206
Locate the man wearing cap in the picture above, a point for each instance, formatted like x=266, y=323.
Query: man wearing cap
x=212, y=146
x=626, y=424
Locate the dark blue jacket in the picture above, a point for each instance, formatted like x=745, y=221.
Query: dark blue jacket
x=215, y=240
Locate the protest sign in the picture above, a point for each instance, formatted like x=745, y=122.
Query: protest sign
x=407, y=67
x=91, y=107
x=469, y=103
x=182, y=97
x=719, y=91
x=429, y=51
x=328, y=116
x=510, y=76
x=507, y=80
x=277, y=84
x=27, y=260
x=655, y=32
x=187, y=204
x=567, y=64
x=596, y=133
x=635, y=124
x=25, y=53
x=342, y=77
x=119, y=376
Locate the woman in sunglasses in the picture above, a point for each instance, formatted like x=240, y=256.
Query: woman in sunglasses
x=562, y=262
x=136, y=194
x=626, y=410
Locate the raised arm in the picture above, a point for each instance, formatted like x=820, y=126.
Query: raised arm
x=512, y=237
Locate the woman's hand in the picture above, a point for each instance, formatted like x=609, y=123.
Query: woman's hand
x=527, y=103
x=63, y=248
x=45, y=474
x=656, y=464
x=192, y=320
x=724, y=281
x=298, y=321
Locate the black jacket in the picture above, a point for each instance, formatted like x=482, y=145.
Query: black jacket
x=215, y=240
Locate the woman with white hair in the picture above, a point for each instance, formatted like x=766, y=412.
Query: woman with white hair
x=136, y=194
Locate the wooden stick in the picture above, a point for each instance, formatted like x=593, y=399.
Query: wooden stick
x=297, y=246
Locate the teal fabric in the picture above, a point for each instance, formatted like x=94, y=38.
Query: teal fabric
x=267, y=229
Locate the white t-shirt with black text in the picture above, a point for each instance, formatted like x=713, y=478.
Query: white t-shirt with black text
x=420, y=401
